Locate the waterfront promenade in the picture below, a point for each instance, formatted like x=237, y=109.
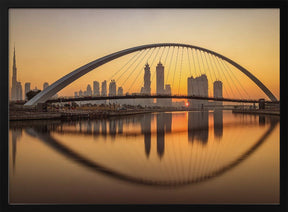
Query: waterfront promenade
x=21, y=113
x=15, y=115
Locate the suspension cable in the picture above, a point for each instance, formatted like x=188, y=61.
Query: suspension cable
x=207, y=74
x=119, y=71
x=170, y=64
x=198, y=61
x=134, y=69
x=210, y=69
x=189, y=61
x=137, y=77
x=201, y=73
x=167, y=55
x=213, y=57
x=219, y=74
x=225, y=65
x=175, y=66
x=231, y=79
x=126, y=70
x=196, y=72
x=180, y=72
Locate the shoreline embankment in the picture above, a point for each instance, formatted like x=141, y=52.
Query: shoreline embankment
x=257, y=111
x=91, y=114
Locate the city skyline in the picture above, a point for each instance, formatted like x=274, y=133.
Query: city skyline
x=196, y=86
x=247, y=49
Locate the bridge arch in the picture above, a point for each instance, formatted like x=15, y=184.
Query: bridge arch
x=58, y=85
x=66, y=151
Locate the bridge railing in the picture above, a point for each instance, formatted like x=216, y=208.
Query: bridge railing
x=135, y=96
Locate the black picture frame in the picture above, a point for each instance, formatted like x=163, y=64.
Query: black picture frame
x=281, y=4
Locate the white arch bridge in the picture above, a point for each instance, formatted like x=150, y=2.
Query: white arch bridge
x=58, y=85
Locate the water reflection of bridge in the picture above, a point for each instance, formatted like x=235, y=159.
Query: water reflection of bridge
x=44, y=134
x=197, y=127
x=163, y=128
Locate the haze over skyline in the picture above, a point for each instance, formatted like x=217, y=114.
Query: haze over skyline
x=51, y=43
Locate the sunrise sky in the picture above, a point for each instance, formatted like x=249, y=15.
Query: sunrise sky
x=50, y=43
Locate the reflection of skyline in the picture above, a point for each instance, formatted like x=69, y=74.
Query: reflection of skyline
x=96, y=129
x=218, y=123
x=198, y=126
x=112, y=128
x=262, y=120
x=103, y=127
x=43, y=133
x=16, y=134
x=146, y=130
x=164, y=122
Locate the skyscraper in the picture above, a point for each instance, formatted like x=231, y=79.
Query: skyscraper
x=120, y=91
x=19, y=91
x=160, y=82
x=112, y=88
x=80, y=93
x=147, y=81
x=112, y=91
x=45, y=85
x=16, y=90
x=198, y=87
x=146, y=89
x=14, y=79
x=96, y=88
x=218, y=91
x=146, y=130
x=168, y=102
x=27, y=88
x=203, y=90
x=104, y=88
x=89, y=90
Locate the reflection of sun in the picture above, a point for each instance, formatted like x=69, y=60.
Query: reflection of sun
x=187, y=104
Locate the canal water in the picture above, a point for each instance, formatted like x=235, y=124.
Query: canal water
x=214, y=157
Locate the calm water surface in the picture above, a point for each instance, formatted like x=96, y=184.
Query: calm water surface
x=176, y=157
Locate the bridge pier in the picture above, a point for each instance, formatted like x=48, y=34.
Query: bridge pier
x=262, y=104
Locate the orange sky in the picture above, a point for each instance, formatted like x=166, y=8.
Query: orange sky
x=50, y=43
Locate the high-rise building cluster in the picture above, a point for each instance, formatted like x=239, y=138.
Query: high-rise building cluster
x=96, y=89
x=161, y=89
x=198, y=86
x=16, y=90
x=112, y=90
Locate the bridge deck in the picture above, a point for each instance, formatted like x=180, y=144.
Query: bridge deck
x=89, y=98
